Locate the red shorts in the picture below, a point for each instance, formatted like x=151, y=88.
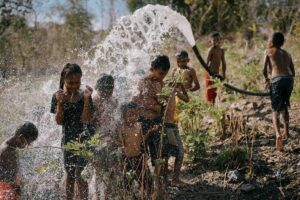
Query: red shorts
x=211, y=93
x=7, y=192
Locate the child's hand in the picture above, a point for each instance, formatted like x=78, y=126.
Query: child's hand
x=60, y=96
x=88, y=91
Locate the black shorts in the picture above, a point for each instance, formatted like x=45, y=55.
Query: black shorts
x=72, y=161
x=280, y=92
x=153, y=142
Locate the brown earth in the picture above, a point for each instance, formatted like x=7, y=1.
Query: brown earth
x=204, y=180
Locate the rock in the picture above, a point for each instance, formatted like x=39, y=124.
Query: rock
x=233, y=176
x=247, y=187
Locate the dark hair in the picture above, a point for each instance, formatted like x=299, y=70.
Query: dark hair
x=215, y=34
x=28, y=130
x=161, y=62
x=106, y=81
x=67, y=71
x=277, y=39
x=128, y=106
x=182, y=54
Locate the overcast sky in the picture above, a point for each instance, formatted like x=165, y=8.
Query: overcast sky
x=45, y=10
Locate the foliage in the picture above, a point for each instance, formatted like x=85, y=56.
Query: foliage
x=232, y=157
x=196, y=144
x=85, y=148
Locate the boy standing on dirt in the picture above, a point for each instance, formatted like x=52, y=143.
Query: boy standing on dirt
x=216, y=56
x=151, y=118
x=175, y=145
x=187, y=74
x=280, y=65
x=9, y=183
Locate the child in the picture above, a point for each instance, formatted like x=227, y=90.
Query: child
x=149, y=88
x=187, y=74
x=216, y=56
x=131, y=142
x=175, y=145
x=105, y=107
x=9, y=183
x=73, y=110
x=282, y=71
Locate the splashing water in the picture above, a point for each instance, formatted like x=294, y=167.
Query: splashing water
x=126, y=53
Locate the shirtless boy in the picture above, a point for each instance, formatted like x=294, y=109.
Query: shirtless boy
x=279, y=64
x=175, y=145
x=131, y=141
x=9, y=183
x=187, y=74
x=216, y=57
x=151, y=117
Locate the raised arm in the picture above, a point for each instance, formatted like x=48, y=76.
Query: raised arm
x=57, y=107
x=182, y=94
x=87, y=105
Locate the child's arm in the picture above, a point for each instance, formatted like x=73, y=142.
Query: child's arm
x=195, y=81
x=209, y=56
x=59, y=116
x=87, y=105
x=292, y=67
x=182, y=94
x=266, y=65
x=223, y=64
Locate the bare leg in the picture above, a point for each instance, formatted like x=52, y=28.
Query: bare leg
x=69, y=185
x=165, y=171
x=285, y=119
x=177, y=168
x=81, y=185
x=276, y=125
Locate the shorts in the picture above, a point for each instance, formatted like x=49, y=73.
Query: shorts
x=153, y=142
x=72, y=161
x=280, y=92
x=7, y=192
x=173, y=144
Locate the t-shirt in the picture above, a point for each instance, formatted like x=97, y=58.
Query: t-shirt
x=72, y=125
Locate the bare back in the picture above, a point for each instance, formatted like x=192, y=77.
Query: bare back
x=279, y=62
x=8, y=163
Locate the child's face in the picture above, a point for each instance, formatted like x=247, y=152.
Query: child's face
x=132, y=115
x=24, y=142
x=158, y=74
x=182, y=62
x=215, y=41
x=106, y=93
x=72, y=83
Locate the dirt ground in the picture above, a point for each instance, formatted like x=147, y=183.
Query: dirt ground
x=275, y=175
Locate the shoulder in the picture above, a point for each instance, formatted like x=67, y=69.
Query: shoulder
x=191, y=69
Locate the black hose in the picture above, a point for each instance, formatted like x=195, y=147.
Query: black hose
x=205, y=66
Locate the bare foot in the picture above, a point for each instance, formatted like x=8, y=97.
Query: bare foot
x=279, y=146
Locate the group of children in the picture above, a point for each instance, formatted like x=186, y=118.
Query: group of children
x=147, y=127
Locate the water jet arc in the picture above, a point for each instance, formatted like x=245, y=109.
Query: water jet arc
x=235, y=89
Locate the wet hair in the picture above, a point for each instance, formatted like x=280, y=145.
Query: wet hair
x=215, y=34
x=68, y=70
x=182, y=54
x=106, y=81
x=28, y=130
x=161, y=62
x=128, y=106
x=277, y=39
